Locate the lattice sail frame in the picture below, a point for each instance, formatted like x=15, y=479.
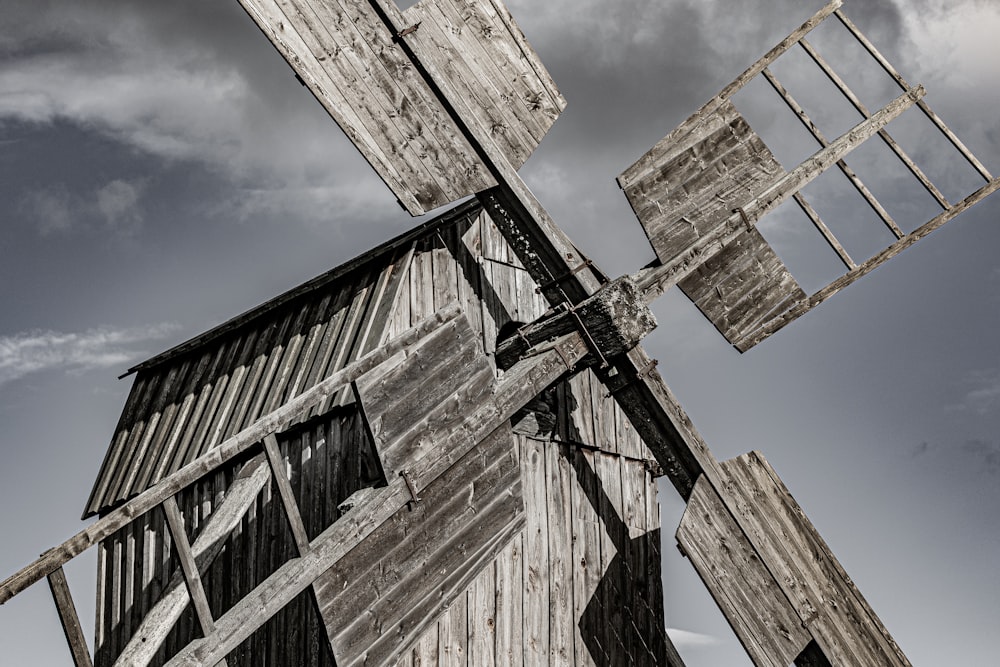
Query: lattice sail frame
x=713, y=170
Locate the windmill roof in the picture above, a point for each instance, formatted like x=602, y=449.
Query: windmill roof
x=190, y=398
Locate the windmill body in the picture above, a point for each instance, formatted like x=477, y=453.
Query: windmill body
x=445, y=450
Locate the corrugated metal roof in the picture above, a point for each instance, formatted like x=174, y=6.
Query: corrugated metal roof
x=189, y=399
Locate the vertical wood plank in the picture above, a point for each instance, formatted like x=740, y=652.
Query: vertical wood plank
x=536, y=557
x=560, y=524
x=509, y=616
x=482, y=618
x=69, y=619
x=609, y=471
x=586, y=551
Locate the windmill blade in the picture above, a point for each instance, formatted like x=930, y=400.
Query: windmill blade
x=695, y=187
x=357, y=59
x=776, y=581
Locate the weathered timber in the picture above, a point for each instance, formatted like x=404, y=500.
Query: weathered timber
x=158, y=620
x=656, y=279
x=405, y=401
x=69, y=619
x=226, y=451
x=614, y=319
x=779, y=321
x=746, y=592
x=783, y=567
x=522, y=383
x=379, y=597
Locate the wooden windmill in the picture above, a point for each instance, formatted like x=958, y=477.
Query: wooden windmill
x=443, y=451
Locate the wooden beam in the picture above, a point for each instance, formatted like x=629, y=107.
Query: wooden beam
x=280, y=478
x=864, y=269
x=898, y=78
x=160, y=619
x=69, y=619
x=851, y=175
x=824, y=230
x=655, y=280
x=191, y=575
x=706, y=112
x=212, y=460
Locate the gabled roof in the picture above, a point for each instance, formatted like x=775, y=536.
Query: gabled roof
x=192, y=397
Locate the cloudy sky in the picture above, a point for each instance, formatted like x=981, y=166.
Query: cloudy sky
x=161, y=170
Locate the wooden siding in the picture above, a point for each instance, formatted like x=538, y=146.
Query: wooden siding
x=328, y=459
x=580, y=585
x=545, y=589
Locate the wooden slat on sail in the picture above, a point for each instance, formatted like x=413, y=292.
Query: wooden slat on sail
x=687, y=192
x=773, y=576
x=350, y=56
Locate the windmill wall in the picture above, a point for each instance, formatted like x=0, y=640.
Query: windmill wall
x=577, y=584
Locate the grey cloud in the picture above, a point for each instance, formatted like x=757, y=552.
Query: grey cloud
x=987, y=453
x=115, y=207
x=34, y=351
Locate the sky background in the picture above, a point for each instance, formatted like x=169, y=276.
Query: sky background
x=161, y=170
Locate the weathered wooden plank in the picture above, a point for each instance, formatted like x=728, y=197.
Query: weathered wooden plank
x=509, y=617
x=535, y=595
x=608, y=469
x=586, y=552
x=69, y=619
x=482, y=606
x=746, y=592
x=740, y=288
x=445, y=375
x=692, y=125
x=558, y=504
x=781, y=319
x=839, y=618
x=468, y=80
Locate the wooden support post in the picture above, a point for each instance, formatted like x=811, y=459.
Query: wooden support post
x=195, y=587
x=277, y=462
x=69, y=619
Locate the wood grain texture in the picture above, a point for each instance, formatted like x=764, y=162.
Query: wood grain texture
x=747, y=593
